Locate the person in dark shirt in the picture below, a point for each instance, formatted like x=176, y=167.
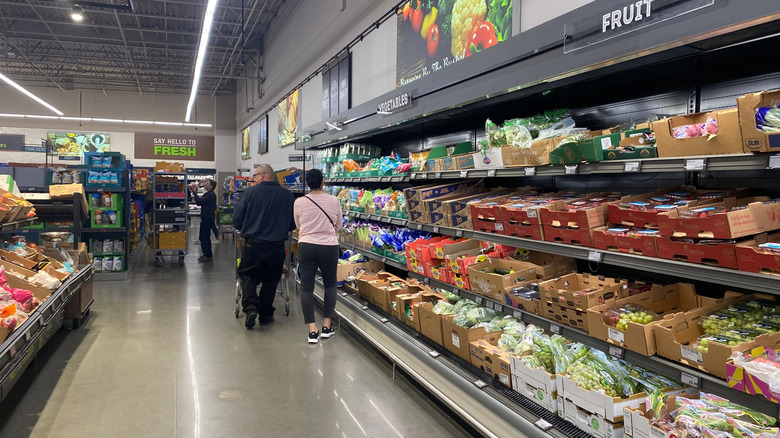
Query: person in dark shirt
x=264, y=216
x=208, y=214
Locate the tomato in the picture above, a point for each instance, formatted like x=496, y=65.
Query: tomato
x=433, y=40
x=484, y=36
x=417, y=17
x=407, y=10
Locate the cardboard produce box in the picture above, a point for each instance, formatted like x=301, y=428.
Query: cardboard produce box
x=366, y=282
x=676, y=336
x=17, y=260
x=416, y=195
x=491, y=284
x=751, y=258
x=755, y=140
x=564, y=315
x=757, y=215
x=343, y=271
x=727, y=141
x=405, y=305
x=65, y=191
x=571, y=236
x=537, y=155
x=591, y=150
x=553, y=265
x=457, y=339
x=439, y=205
x=430, y=322
x=636, y=244
x=486, y=356
x=556, y=214
x=491, y=159
x=659, y=300
x=721, y=254
x=531, y=306
x=536, y=384
x=623, y=214
x=593, y=424
x=597, y=403
x=443, y=248
x=568, y=290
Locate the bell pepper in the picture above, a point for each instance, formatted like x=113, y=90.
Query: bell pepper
x=483, y=37
x=428, y=21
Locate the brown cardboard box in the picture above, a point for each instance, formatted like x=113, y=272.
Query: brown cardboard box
x=553, y=265
x=486, y=356
x=416, y=195
x=362, y=279
x=39, y=292
x=343, y=271
x=660, y=300
x=457, y=339
x=60, y=191
x=755, y=140
x=10, y=267
x=537, y=155
x=564, y=315
x=417, y=296
x=430, y=323
x=564, y=290
x=17, y=260
x=491, y=284
x=727, y=141
x=676, y=335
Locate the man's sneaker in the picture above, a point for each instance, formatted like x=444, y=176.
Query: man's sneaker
x=267, y=320
x=250, y=319
x=203, y=259
x=314, y=337
x=328, y=332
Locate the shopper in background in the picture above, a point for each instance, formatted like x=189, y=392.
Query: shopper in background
x=318, y=217
x=208, y=214
x=264, y=217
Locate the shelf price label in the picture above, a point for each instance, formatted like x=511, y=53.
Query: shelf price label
x=530, y=171
x=616, y=335
x=595, y=256
x=478, y=300
x=480, y=384
x=491, y=173
x=543, y=424
x=459, y=233
x=419, y=227
x=499, y=227
x=555, y=328
x=696, y=164
x=690, y=380
x=571, y=170
x=434, y=354
x=518, y=315
x=464, y=173
x=631, y=166
x=424, y=176
x=435, y=230
x=437, y=175
x=455, y=291
x=384, y=320
x=774, y=162
x=616, y=352
x=364, y=307
x=691, y=354
x=344, y=294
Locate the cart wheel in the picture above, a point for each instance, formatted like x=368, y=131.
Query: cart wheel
x=159, y=260
x=237, y=311
x=287, y=309
x=181, y=260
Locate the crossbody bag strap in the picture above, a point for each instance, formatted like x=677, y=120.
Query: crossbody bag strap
x=323, y=211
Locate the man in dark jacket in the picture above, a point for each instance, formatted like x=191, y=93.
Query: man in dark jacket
x=208, y=214
x=264, y=215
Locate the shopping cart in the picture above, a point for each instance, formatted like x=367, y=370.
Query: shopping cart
x=282, y=290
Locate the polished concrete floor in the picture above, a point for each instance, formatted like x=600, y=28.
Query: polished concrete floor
x=162, y=355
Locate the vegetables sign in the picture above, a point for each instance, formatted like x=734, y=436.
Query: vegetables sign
x=435, y=34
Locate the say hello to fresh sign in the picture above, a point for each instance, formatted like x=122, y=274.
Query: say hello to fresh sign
x=157, y=146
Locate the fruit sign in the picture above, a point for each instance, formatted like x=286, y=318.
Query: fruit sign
x=436, y=34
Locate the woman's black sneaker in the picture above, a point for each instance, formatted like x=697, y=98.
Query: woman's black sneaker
x=328, y=332
x=314, y=337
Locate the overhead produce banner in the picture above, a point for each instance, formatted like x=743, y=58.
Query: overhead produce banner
x=433, y=35
x=624, y=16
x=11, y=142
x=245, y=143
x=288, y=118
x=66, y=144
x=262, y=135
x=156, y=146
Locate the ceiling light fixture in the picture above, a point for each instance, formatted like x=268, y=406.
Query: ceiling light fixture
x=205, y=33
x=99, y=120
x=28, y=94
x=77, y=14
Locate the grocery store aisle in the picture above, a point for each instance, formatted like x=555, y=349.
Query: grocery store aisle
x=162, y=355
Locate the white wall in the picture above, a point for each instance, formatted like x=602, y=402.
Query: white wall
x=536, y=12
x=219, y=111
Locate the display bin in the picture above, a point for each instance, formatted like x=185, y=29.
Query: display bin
x=93, y=223
x=115, y=160
x=100, y=182
x=170, y=216
x=99, y=263
x=98, y=248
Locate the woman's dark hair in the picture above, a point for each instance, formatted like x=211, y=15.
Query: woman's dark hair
x=314, y=178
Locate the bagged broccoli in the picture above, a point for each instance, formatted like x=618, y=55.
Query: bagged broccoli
x=515, y=328
x=461, y=320
x=464, y=303
x=507, y=343
x=502, y=322
x=489, y=327
x=443, y=308
x=451, y=297
x=480, y=314
x=525, y=344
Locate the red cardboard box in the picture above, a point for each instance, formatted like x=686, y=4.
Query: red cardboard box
x=442, y=249
x=419, y=250
x=727, y=141
x=461, y=281
x=440, y=272
x=556, y=214
x=723, y=254
x=642, y=245
x=751, y=258
x=757, y=218
x=580, y=236
x=623, y=215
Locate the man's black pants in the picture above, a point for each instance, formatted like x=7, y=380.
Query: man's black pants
x=204, y=235
x=261, y=263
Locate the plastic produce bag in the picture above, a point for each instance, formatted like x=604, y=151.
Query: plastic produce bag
x=480, y=314
x=507, y=343
x=45, y=280
x=768, y=119
x=461, y=320
x=488, y=326
x=515, y=328
x=562, y=127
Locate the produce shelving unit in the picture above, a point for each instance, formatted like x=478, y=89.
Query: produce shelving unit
x=681, y=67
x=177, y=201
x=24, y=343
x=15, y=225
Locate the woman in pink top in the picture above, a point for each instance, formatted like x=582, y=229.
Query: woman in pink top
x=318, y=217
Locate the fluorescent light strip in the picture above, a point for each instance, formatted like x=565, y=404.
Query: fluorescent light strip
x=30, y=95
x=208, y=19
x=90, y=119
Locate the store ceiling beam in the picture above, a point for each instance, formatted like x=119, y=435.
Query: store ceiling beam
x=133, y=70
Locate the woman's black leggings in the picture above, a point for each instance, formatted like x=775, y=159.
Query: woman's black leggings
x=310, y=258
